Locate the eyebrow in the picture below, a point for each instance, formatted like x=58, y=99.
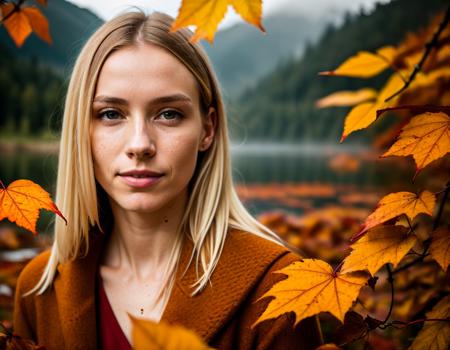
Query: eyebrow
x=157, y=100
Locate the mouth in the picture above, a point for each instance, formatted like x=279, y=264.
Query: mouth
x=140, y=178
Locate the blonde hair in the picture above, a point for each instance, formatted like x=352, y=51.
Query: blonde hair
x=213, y=207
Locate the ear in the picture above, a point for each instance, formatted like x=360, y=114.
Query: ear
x=209, y=129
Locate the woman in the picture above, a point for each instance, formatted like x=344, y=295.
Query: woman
x=155, y=228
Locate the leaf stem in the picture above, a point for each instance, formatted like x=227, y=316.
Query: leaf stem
x=411, y=323
x=441, y=206
x=391, y=282
x=428, y=47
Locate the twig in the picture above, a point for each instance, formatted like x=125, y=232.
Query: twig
x=15, y=9
x=416, y=108
x=428, y=47
x=441, y=206
x=411, y=323
x=391, y=282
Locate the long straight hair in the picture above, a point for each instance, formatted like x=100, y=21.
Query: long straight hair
x=213, y=207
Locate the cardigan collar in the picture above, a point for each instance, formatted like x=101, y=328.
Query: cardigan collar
x=238, y=271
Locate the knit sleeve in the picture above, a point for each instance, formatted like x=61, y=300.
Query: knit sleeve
x=24, y=311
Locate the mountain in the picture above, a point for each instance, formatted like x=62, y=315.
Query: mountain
x=242, y=54
x=70, y=26
x=32, y=77
x=281, y=105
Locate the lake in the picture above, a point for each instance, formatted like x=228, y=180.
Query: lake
x=292, y=178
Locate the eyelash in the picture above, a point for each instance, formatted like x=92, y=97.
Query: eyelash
x=102, y=115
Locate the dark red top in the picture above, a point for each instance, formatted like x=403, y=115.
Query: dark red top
x=110, y=334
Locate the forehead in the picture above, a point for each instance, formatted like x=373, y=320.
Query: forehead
x=145, y=70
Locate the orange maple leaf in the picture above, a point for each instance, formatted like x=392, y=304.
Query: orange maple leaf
x=21, y=201
x=310, y=288
x=426, y=137
x=396, y=204
x=386, y=244
x=206, y=15
x=23, y=21
x=148, y=335
x=440, y=246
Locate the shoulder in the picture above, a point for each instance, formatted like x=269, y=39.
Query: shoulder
x=252, y=248
x=32, y=272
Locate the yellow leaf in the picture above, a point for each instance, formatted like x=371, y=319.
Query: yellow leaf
x=250, y=11
x=149, y=335
x=360, y=117
x=435, y=334
x=364, y=114
x=17, y=24
x=388, y=52
x=440, y=246
x=386, y=244
x=310, y=288
x=206, y=15
x=346, y=98
x=329, y=346
x=38, y=22
x=21, y=201
x=363, y=65
x=426, y=137
x=396, y=204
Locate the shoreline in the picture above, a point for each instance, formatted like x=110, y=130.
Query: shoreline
x=29, y=146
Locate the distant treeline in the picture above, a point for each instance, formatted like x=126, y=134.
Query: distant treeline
x=282, y=105
x=31, y=96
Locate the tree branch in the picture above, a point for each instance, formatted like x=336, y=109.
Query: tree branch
x=391, y=282
x=428, y=47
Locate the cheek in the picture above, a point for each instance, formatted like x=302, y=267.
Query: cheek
x=102, y=151
x=184, y=152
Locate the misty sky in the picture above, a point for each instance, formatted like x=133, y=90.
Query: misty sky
x=107, y=9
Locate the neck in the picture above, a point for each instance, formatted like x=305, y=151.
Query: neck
x=141, y=243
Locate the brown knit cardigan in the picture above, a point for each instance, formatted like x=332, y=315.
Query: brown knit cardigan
x=64, y=317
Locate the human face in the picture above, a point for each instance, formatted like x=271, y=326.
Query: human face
x=147, y=128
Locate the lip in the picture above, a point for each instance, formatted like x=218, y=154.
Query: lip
x=149, y=178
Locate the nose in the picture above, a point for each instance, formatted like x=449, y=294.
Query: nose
x=141, y=143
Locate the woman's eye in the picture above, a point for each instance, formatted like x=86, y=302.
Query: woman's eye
x=110, y=115
x=170, y=115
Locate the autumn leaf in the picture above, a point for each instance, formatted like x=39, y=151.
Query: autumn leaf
x=38, y=23
x=346, y=98
x=11, y=341
x=365, y=64
x=364, y=114
x=17, y=25
x=435, y=334
x=23, y=21
x=206, y=15
x=21, y=201
x=148, y=335
x=440, y=246
x=396, y=204
x=426, y=137
x=310, y=288
x=329, y=346
x=354, y=328
x=386, y=244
